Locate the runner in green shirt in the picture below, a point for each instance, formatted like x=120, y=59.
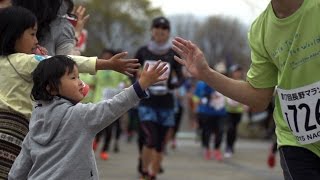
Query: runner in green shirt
x=285, y=54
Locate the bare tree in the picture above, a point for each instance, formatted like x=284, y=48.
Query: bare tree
x=184, y=26
x=223, y=39
x=118, y=24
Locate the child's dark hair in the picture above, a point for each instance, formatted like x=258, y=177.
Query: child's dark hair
x=14, y=21
x=47, y=76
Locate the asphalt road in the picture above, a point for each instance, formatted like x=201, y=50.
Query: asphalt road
x=187, y=163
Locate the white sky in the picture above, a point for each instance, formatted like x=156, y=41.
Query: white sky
x=245, y=10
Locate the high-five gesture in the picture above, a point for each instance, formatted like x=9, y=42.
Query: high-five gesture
x=151, y=75
x=190, y=56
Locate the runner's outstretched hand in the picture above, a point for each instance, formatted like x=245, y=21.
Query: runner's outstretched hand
x=190, y=56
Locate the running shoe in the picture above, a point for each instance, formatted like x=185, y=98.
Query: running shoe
x=228, y=153
x=271, y=160
x=217, y=155
x=116, y=148
x=207, y=154
x=104, y=155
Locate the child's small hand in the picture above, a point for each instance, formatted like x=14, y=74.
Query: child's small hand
x=124, y=66
x=82, y=19
x=153, y=74
x=40, y=50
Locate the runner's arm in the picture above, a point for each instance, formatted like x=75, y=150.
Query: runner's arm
x=241, y=91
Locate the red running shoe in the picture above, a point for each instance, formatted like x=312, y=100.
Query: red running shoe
x=207, y=154
x=271, y=160
x=217, y=155
x=104, y=155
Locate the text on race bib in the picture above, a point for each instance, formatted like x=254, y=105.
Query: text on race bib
x=301, y=110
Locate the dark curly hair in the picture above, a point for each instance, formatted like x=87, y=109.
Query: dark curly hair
x=47, y=75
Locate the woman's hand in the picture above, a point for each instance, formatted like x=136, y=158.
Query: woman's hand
x=82, y=19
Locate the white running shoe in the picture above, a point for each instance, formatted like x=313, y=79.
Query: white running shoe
x=228, y=154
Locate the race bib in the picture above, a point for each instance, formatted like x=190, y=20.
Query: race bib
x=217, y=101
x=159, y=88
x=232, y=103
x=301, y=110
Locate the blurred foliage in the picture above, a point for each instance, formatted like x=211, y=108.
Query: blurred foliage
x=118, y=24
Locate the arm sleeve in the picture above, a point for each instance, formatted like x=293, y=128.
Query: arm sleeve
x=85, y=64
x=23, y=163
x=98, y=116
x=25, y=64
x=65, y=42
x=66, y=48
x=263, y=73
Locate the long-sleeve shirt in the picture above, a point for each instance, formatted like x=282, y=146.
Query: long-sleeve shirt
x=16, y=79
x=59, y=143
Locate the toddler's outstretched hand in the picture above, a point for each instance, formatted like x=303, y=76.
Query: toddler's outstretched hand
x=151, y=75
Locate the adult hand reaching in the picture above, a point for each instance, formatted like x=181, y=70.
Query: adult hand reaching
x=82, y=18
x=117, y=63
x=190, y=56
